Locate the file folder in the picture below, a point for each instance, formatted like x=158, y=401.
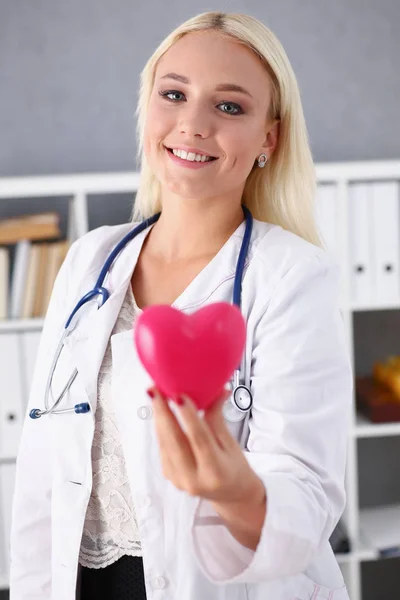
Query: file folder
x=360, y=243
x=7, y=485
x=29, y=349
x=11, y=406
x=385, y=241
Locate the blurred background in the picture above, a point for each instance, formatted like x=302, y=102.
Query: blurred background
x=69, y=76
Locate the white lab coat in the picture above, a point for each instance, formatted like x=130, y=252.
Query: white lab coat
x=298, y=365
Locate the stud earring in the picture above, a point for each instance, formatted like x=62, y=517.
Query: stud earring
x=262, y=160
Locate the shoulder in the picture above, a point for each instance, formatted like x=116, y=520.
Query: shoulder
x=102, y=237
x=285, y=269
x=91, y=249
x=276, y=253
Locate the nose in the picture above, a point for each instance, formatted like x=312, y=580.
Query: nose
x=195, y=122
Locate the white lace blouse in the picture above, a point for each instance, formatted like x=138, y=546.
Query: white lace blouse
x=110, y=528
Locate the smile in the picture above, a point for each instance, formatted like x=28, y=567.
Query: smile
x=189, y=159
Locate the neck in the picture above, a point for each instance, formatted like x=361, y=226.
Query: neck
x=193, y=230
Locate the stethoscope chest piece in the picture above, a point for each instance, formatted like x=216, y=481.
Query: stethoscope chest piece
x=242, y=398
x=238, y=404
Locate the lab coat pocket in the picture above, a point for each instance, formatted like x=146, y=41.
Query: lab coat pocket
x=69, y=503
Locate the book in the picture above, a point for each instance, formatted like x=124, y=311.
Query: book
x=4, y=287
x=56, y=254
x=41, y=226
x=31, y=282
x=40, y=279
x=18, y=278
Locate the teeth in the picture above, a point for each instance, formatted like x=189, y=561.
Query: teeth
x=191, y=156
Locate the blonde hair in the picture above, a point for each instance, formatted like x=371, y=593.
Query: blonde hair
x=283, y=191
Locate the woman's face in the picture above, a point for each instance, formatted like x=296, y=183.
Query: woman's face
x=196, y=106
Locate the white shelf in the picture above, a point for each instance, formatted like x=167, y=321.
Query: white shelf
x=358, y=170
x=6, y=458
x=344, y=558
x=362, y=553
x=65, y=185
x=380, y=529
x=375, y=307
x=21, y=324
x=366, y=429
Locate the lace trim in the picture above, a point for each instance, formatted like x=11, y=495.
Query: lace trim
x=110, y=530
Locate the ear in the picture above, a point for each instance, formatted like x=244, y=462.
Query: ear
x=271, y=138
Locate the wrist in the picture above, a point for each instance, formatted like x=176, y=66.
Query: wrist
x=245, y=518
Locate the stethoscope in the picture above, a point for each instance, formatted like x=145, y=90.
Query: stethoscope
x=241, y=399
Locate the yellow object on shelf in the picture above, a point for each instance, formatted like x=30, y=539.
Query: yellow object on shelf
x=388, y=373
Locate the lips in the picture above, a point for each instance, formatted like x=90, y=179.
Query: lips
x=209, y=157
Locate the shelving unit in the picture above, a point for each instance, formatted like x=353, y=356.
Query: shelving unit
x=342, y=175
x=79, y=187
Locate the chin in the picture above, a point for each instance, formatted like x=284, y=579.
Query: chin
x=188, y=191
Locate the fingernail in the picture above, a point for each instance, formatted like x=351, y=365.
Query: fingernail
x=150, y=393
x=180, y=401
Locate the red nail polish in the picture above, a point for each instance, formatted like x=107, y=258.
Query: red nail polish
x=150, y=393
x=180, y=401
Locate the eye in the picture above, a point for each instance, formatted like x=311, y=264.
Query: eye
x=234, y=109
x=168, y=93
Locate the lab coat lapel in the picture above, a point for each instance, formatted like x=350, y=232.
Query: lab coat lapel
x=87, y=343
x=220, y=269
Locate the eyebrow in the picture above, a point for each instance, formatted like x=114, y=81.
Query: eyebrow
x=222, y=87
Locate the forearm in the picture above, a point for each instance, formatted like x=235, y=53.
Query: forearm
x=245, y=519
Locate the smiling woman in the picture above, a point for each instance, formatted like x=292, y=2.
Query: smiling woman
x=154, y=499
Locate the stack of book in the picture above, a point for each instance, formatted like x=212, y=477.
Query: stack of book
x=26, y=282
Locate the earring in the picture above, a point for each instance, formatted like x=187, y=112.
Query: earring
x=262, y=160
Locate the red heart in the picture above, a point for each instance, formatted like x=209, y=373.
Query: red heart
x=191, y=354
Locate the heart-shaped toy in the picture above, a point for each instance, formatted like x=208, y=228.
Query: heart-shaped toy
x=191, y=354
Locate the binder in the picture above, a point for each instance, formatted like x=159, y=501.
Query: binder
x=11, y=409
x=29, y=350
x=385, y=241
x=360, y=243
x=7, y=485
x=326, y=216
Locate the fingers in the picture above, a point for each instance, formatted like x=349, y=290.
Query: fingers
x=174, y=448
x=216, y=421
x=200, y=436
